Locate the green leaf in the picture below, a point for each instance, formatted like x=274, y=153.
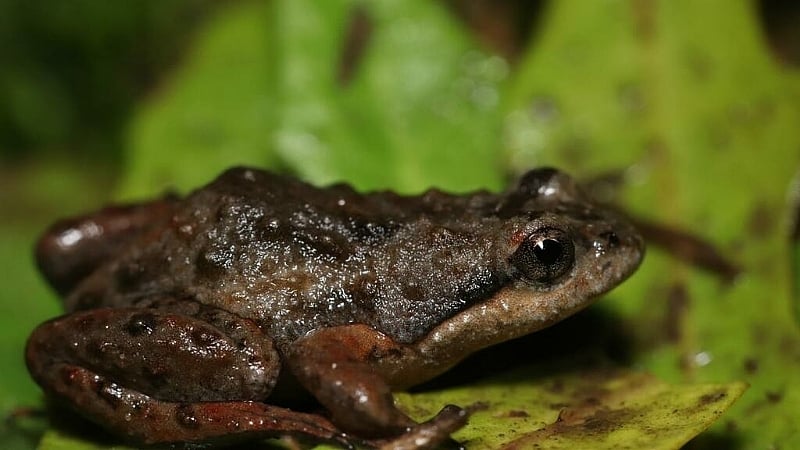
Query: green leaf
x=25, y=300
x=262, y=88
x=216, y=111
x=684, y=98
x=794, y=243
x=401, y=122
x=57, y=440
x=598, y=409
x=678, y=96
x=28, y=198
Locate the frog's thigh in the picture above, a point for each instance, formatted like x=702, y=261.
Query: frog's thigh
x=337, y=365
x=162, y=377
x=165, y=355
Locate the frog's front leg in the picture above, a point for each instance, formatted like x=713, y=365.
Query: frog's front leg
x=339, y=365
x=164, y=377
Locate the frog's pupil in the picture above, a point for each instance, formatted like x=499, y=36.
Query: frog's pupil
x=548, y=251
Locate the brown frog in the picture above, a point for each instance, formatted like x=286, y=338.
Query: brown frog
x=186, y=315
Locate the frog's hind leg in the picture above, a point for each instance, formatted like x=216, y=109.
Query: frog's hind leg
x=161, y=377
x=145, y=420
x=341, y=366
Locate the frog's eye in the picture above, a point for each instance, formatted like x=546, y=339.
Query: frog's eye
x=544, y=255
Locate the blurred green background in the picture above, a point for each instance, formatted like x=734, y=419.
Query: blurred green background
x=691, y=108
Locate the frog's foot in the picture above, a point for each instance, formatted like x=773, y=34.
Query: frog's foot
x=434, y=433
x=171, y=376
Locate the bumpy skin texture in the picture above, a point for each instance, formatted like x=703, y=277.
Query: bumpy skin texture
x=185, y=315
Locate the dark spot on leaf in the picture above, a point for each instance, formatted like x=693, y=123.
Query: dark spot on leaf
x=774, y=397
x=688, y=247
x=677, y=307
x=761, y=221
x=477, y=406
x=644, y=20
x=631, y=99
x=606, y=420
x=712, y=397
x=588, y=419
x=357, y=37
x=751, y=366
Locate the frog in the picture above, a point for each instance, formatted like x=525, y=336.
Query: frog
x=199, y=320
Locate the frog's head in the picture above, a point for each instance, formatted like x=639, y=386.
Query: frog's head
x=561, y=244
x=558, y=251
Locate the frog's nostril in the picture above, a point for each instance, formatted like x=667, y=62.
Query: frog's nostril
x=611, y=238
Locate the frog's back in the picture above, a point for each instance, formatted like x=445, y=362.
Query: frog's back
x=295, y=257
x=307, y=257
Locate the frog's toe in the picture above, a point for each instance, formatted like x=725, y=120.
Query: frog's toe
x=432, y=434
